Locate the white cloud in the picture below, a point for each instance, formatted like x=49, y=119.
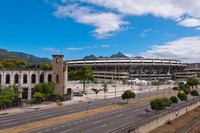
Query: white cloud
x=190, y=22
x=129, y=55
x=74, y=49
x=105, y=22
x=186, y=49
x=105, y=46
x=168, y=9
x=53, y=50
x=144, y=33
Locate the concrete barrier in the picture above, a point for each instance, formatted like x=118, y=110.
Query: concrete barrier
x=147, y=125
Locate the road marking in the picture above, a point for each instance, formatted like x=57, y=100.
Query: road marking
x=97, y=122
x=55, y=127
x=81, y=120
x=72, y=110
x=47, y=130
x=69, y=124
x=10, y=123
x=128, y=117
x=62, y=126
x=104, y=125
x=66, y=131
x=75, y=122
x=120, y=115
x=7, y=120
x=45, y=116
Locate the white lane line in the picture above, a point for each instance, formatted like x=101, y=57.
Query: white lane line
x=62, y=126
x=11, y=123
x=69, y=124
x=66, y=131
x=119, y=115
x=47, y=130
x=7, y=120
x=40, y=114
x=75, y=122
x=128, y=117
x=97, y=122
x=104, y=125
x=45, y=116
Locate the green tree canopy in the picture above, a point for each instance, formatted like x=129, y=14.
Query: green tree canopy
x=174, y=99
x=46, y=66
x=127, y=95
x=195, y=93
x=84, y=73
x=192, y=82
x=182, y=96
x=167, y=101
x=8, y=65
x=175, y=88
x=38, y=97
x=48, y=89
x=1, y=65
x=157, y=104
x=6, y=96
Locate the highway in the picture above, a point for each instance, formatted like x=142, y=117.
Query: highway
x=104, y=122
x=38, y=115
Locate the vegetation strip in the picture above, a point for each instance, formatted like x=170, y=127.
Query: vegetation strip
x=69, y=117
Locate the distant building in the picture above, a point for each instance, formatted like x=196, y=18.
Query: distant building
x=27, y=78
x=129, y=68
x=193, y=67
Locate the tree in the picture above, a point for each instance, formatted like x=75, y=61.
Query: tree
x=195, y=93
x=127, y=95
x=58, y=96
x=46, y=66
x=182, y=96
x=96, y=91
x=8, y=64
x=84, y=73
x=175, y=88
x=1, y=65
x=38, y=97
x=6, y=96
x=167, y=101
x=192, y=82
x=174, y=99
x=48, y=89
x=157, y=104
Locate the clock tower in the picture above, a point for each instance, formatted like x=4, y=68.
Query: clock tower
x=59, y=74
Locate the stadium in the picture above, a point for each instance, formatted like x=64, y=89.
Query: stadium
x=130, y=68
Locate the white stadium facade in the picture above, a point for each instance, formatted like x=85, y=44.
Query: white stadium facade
x=130, y=68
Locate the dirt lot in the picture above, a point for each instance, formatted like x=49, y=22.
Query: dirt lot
x=177, y=124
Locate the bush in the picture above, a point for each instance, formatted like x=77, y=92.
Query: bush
x=195, y=93
x=182, y=96
x=174, y=99
x=175, y=88
x=167, y=101
x=157, y=104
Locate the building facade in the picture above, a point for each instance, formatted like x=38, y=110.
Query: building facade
x=130, y=68
x=27, y=78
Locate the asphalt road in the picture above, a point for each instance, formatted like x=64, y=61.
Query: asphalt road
x=38, y=115
x=104, y=122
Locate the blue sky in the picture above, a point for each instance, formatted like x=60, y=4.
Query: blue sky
x=163, y=29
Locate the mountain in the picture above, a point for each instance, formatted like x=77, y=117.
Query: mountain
x=117, y=55
x=20, y=55
x=90, y=57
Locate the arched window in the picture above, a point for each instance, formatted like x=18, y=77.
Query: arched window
x=49, y=78
x=42, y=78
x=7, y=79
x=33, y=79
x=57, y=78
x=0, y=79
x=25, y=79
x=16, y=79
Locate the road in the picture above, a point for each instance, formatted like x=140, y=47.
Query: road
x=104, y=122
x=38, y=115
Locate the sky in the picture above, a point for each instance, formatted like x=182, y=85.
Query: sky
x=75, y=28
